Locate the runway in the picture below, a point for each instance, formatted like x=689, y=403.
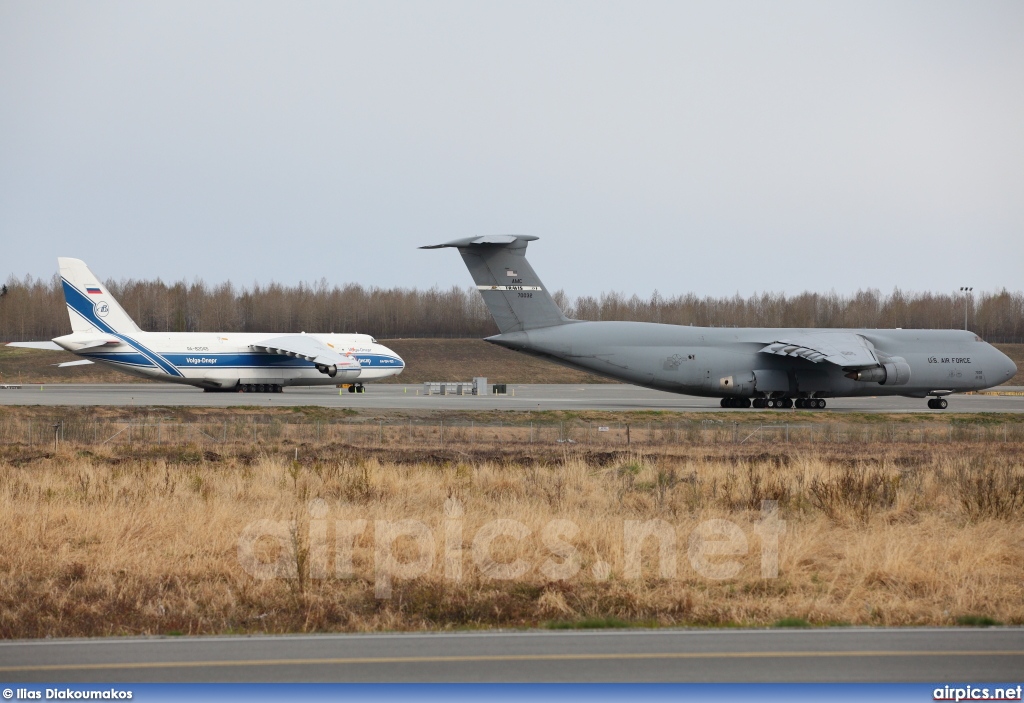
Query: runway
x=830, y=655
x=610, y=397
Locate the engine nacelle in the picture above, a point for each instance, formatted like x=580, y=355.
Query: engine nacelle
x=331, y=370
x=897, y=371
x=894, y=371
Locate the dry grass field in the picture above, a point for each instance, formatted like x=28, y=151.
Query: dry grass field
x=246, y=537
x=426, y=360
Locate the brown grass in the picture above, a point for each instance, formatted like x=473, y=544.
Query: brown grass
x=136, y=539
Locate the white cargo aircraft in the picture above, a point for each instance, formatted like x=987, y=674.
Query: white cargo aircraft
x=103, y=333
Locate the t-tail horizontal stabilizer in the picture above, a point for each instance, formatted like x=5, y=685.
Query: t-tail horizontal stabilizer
x=511, y=289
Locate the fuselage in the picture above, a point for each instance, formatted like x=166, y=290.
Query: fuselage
x=717, y=362
x=227, y=360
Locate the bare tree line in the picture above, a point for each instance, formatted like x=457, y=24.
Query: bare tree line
x=34, y=309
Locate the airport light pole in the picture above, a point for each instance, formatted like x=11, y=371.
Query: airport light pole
x=966, y=290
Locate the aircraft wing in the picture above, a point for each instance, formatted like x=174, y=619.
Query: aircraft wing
x=307, y=348
x=846, y=349
x=80, y=362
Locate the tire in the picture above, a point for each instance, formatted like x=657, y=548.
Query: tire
x=943, y=403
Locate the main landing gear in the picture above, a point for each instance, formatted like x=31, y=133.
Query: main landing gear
x=774, y=403
x=937, y=403
x=260, y=388
x=357, y=388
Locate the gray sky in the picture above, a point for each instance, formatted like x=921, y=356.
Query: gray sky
x=710, y=147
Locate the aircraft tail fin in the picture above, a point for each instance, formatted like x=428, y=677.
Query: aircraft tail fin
x=91, y=307
x=512, y=291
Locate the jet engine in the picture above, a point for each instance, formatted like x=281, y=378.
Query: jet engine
x=894, y=371
x=331, y=370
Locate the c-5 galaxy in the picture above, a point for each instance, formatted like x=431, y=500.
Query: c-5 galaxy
x=759, y=367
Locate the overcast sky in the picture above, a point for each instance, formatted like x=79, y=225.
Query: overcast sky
x=710, y=147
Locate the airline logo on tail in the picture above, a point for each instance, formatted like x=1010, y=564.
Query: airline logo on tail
x=93, y=290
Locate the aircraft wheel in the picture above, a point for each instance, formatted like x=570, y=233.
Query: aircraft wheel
x=770, y=403
x=931, y=404
x=787, y=402
x=745, y=403
x=276, y=388
x=724, y=402
x=801, y=403
x=351, y=389
x=943, y=403
x=759, y=402
x=820, y=403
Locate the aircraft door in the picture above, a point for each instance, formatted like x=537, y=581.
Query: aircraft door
x=692, y=372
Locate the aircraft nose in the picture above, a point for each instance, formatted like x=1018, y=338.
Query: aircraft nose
x=1010, y=367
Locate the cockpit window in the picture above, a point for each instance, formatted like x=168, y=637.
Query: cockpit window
x=977, y=338
x=375, y=341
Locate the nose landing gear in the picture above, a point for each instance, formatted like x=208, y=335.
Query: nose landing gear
x=937, y=403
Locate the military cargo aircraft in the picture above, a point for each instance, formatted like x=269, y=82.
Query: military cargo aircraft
x=745, y=367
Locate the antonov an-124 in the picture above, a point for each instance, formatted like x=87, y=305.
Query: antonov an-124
x=103, y=333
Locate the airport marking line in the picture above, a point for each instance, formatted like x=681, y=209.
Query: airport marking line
x=506, y=658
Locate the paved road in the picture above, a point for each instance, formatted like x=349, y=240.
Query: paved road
x=398, y=397
x=952, y=655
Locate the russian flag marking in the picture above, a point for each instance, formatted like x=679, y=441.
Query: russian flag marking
x=92, y=290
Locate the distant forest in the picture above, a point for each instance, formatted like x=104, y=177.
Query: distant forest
x=33, y=309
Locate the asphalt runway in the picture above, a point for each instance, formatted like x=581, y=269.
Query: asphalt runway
x=520, y=397
x=847, y=654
